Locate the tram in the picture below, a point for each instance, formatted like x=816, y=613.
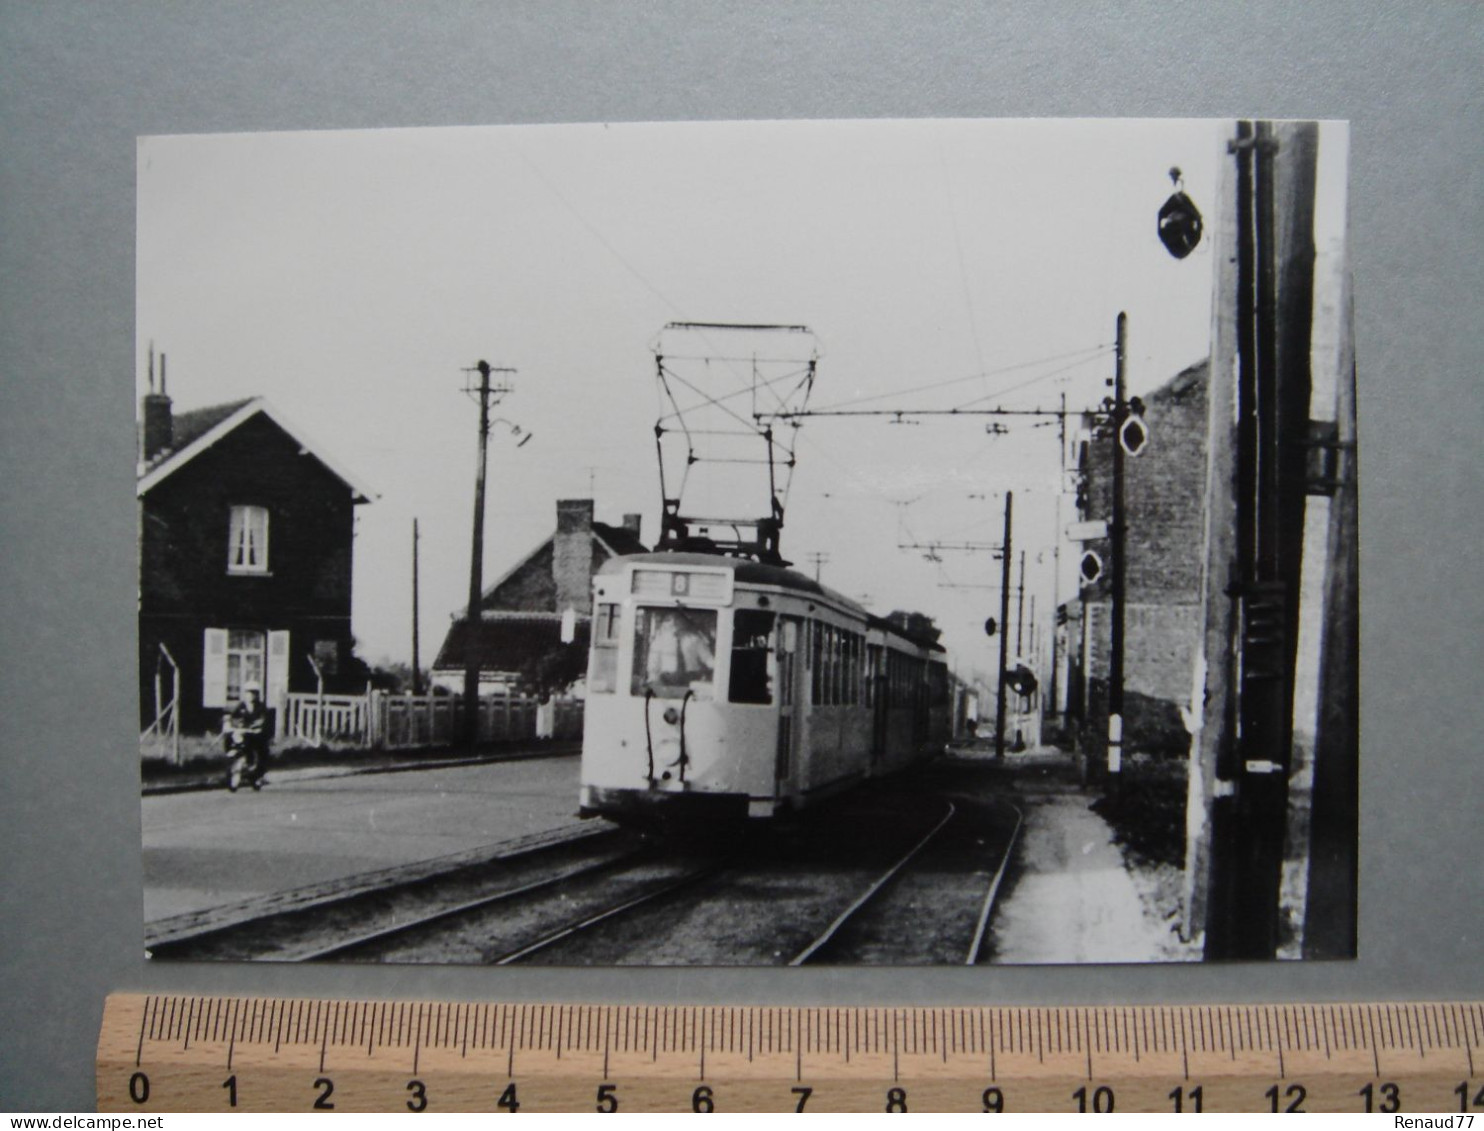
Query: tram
x=723, y=688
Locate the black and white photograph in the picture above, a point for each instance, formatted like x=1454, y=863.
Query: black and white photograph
x=769, y=543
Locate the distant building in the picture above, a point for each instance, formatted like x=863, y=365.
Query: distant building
x=518, y=637
x=245, y=539
x=1164, y=493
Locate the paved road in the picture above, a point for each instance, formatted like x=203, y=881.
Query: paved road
x=209, y=848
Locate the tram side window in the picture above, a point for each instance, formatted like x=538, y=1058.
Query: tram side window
x=938, y=685
x=674, y=652
x=603, y=674
x=752, y=634
x=852, y=668
x=816, y=666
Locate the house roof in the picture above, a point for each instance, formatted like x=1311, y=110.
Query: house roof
x=613, y=541
x=195, y=431
x=618, y=541
x=508, y=642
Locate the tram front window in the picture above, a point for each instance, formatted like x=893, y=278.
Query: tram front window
x=674, y=652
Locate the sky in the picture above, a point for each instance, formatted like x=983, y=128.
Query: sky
x=354, y=277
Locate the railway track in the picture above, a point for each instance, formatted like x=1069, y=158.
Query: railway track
x=338, y=923
x=854, y=935
x=604, y=915
x=616, y=898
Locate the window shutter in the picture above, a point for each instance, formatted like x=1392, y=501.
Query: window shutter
x=214, y=668
x=276, y=686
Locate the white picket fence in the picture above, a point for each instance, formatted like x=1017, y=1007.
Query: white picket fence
x=381, y=719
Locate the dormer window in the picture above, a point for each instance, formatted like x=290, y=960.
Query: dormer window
x=247, y=542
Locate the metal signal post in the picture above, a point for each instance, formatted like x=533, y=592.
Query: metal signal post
x=999, y=709
x=1117, y=531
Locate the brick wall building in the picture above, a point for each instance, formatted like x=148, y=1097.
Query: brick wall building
x=245, y=542
x=1164, y=498
x=517, y=638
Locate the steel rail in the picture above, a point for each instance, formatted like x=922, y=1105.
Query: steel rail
x=407, y=926
x=394, y=883
x=981, y=925
x=607, y=913
x=865, y=897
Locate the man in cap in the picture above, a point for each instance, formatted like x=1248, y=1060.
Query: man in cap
x=245, y=735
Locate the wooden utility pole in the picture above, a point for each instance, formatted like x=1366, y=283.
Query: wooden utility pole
x=485, y=392
x=1274, y=302
x=999, y=709
x=417, y=671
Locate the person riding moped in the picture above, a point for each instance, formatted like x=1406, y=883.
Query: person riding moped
x=245, y=739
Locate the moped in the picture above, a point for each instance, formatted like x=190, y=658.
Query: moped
x=247, y=763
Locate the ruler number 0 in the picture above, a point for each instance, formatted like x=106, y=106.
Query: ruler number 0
x=139, y=1088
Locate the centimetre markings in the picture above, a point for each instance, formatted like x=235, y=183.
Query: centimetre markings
x=1388, y=1056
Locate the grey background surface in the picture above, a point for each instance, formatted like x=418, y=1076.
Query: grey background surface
x=79, y=82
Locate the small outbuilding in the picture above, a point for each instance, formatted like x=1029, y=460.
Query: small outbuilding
x=531, y=631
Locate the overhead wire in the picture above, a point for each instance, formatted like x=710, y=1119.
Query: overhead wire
x=854, y=401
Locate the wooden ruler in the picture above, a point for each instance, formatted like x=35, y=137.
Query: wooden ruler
x=178, y=1053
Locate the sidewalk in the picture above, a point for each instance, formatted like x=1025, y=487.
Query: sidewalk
x=311, y=766
x=1073, y=898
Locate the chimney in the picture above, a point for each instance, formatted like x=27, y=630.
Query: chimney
x=157, y=433
x=572, y=555
x=631, y=523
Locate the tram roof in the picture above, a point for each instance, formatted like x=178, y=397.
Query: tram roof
x=748, y=571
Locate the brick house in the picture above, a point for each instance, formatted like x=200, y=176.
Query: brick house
x=1164, y=498
x=518, y=638
x=245, y=538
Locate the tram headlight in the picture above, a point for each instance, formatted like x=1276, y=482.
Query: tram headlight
x=671, y=716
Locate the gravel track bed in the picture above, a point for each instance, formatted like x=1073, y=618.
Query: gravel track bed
x=286, y=936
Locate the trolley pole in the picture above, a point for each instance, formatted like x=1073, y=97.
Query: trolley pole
x=999, y=709
x=1118, y=582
